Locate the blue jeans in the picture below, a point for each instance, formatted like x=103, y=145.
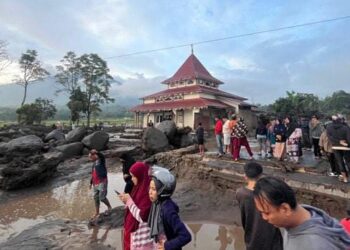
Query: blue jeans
x=219, y=143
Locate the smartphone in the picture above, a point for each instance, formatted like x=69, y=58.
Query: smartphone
x=118, y=193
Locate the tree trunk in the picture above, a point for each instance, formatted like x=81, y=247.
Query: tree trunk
x=88, y=119
x=25, y=94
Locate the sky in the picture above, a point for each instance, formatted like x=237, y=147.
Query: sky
x=312, y=59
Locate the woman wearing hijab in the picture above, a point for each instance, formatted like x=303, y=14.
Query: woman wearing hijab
x=138, y=205
x=127, y=161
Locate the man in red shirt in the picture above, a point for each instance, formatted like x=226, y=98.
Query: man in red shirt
x=218, y=135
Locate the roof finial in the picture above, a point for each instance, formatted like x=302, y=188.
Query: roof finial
x=191, y=48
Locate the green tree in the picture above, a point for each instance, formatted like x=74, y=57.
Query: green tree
x=297, y=104
x=97, y=81
x=338, y=102
x=32, y=71
x=47, y=109
x=41, y=109
x=77, y=104
x=28, y=114
x=68, y=73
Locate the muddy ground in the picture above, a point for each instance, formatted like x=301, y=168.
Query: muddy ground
x=52, y=230
x=205, y=194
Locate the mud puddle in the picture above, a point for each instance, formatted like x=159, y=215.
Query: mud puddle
x=72, y=201
x=38, y=211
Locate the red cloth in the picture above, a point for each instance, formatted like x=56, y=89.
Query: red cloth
x=346, y=224
x=218, y=127
x=95, y=179
x=139, y=194
x=236, y=146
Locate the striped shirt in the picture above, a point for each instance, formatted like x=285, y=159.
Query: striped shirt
x=140, y=239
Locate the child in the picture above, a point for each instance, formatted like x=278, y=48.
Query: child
x=258, y=233
x=200, y=138
x=99, y=182
x=167, y=230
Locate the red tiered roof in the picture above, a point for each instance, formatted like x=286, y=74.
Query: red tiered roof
x=181, y=104
x=192, y=68
x=195, y=89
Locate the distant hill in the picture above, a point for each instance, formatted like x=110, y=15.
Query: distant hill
x=11, y=94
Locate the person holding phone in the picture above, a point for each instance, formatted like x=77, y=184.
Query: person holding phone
x=138, y=205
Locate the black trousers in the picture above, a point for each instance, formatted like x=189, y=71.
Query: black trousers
x=317, y=150
x=341, y=156
x=333, y=163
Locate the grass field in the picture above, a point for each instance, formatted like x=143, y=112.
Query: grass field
x=126, y=121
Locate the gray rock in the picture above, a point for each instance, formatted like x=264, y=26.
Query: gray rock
x=24, y=172
x=70, y=150
x=97, y=140
x=154, y=141
x=26, y=144
x=56, y=134
x=186, y=140
x=168, y=128
x=76, y=135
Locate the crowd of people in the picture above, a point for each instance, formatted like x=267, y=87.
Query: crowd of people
x=271, y=217
x=283, y=138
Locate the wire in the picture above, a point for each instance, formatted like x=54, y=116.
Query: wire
x=231, y=37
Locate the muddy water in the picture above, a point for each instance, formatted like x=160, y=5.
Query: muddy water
x=73, y=201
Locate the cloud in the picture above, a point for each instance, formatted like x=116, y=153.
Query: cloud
x=260, y=67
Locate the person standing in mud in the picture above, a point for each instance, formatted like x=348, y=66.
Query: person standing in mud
x=258, y=234
x=280, y=132
x=306, y=227
x=326, y=149
x=200, y=138
x=261, y=136
x=293, y=135
x=127, y=161
x=99, y=181
x=240, y=131
x=218, y=135
x=316, y=130
x=234, y=139
x=138, y=205
x=339, y=135
x=226, y=130
x=271, y=137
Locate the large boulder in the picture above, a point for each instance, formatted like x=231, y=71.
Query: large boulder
x=70, y=150
x=97, y=140
x=56, y=134
x=23, y=145
x=23, y=172
x=154, y=141
x=168, y=128
x=76, y=135
x=186, y=140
